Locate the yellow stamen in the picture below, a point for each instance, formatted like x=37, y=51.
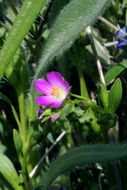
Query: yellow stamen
x=55, y=91
x=55, y=88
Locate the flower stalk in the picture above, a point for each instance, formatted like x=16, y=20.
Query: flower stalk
x=99, y=67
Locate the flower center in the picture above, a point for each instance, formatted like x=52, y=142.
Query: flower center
x=59, y=93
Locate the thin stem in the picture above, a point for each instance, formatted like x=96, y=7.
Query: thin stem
x=22, y=114
x=87, y=102
x=36, y=168
x=114, y=27
x=83, y=87
x=99, y=67
x=109, y=44
x=12, y=7
x=104, y=20
x=24, y=138
x=15, y=116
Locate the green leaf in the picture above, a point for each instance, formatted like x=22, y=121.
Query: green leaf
x=22, y=24
x=6, y=99
x=115, y=71
x=115, y=96
x=69, y=108
x=18, y=143
x=2, y=148
x=8, y=171
x=80, y=156
x=57, y=5
x=17, y=71
x=75, y=17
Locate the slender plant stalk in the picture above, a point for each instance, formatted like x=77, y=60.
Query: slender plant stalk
x=22, y=131
x=37, y=167
x=83, y=87
x=109, y=44
x=99, y=67
x=104, y=20
x=22, y=115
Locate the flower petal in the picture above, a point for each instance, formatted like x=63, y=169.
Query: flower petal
x=57, y=104
x=120, y=45
x=56, y=79
x=45, y=100
x=43, y=86
x=120, y=33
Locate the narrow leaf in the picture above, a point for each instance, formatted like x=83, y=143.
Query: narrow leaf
x=22, y=24
x=18, y=143
x=6, y=99
x=115, y=71
x=8, y=171
x=80, y=156
x=115, y=95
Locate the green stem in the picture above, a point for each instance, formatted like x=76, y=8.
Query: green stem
x=70, y=140
x=83, y=87
x=24, y=139
x=88, y=102
x=24, y=174
x=22, y=115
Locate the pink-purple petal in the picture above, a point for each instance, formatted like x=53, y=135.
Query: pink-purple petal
x=45, y=100
x=56, y=79
x=52, y=99
x=57, y=104
x=43, y=86
x=66, y=87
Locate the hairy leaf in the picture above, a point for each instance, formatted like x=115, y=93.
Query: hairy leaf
x=80, y=156
x=75, y=17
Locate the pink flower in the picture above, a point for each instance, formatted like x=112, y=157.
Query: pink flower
x=56, y=89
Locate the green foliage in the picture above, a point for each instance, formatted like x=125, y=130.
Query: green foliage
x=9, y=173
x=22, y=24
x=115, y=95
x=80, y=156
x=6, y=99
x=75, y=17
x=18, y=143
x=33, y=34
x=104, y=95
x=115, y=71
